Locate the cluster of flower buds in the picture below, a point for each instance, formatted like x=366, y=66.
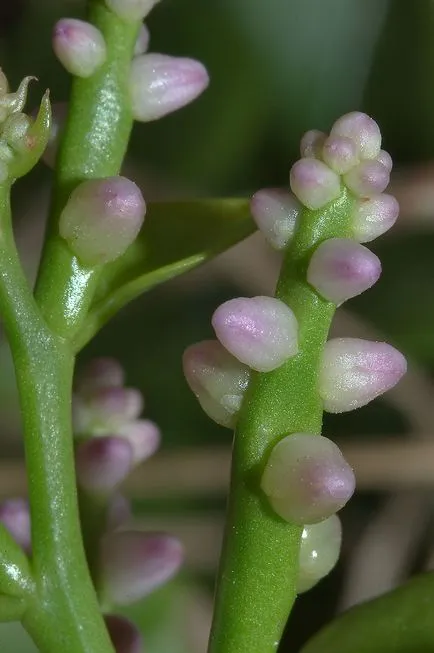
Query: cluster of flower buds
x=22, y=139
x=306, y=479
x=111, y=440
x=159, y=84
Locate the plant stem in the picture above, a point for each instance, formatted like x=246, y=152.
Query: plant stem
x=64, y=613
x=258, y=573
x=94, y=145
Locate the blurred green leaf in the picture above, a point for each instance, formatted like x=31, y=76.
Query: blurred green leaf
x=398, y=622
x=176, y=237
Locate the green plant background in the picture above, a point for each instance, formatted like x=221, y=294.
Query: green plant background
x=277, y=67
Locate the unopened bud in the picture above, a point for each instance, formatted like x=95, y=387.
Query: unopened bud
x=311, y=144
x=275, y=211
x=372, y=218
x=319, y=552
x=218, y=380
x=144, y=438
x=361, y=129
x=260, y=331
x=106, y=410
x=314, y=183
x=133, y=564
x=306, y=478
x=142, y=42
x=340, y=154
x=99, y=373
x=340, y=269
x=15, y=515
x=103, y=463
x=102, y=218
x=367, y=179
x=161, y=84
x=354, y=372
x=79, y=46
x=125, y=636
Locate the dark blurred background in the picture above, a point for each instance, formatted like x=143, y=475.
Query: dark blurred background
x=277, y=68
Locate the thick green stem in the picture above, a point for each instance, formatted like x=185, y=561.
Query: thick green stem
x=64, y=613
x=258, y=574
x=94, y=145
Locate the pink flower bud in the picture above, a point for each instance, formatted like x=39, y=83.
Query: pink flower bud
x=372, y=218
x=143, y=437
x=385, y=159
x=106, y=410
x=124, y=634
x=133, y=564
x=340, y=154
x=142, y=42
x=161, y=84
x=260, y=331
x=314, y=183
x=319, y=552
x=79, y=46
x=340, y=269
x=275, y=211
x=354, y=372
x=218, y=380
x=367, y=179
x=15, y=515
x=361, y=129
x=103, y=463
x=131, y=9
x=102, y=218
x=311, y=144
x=306, y=478
x=98, y=374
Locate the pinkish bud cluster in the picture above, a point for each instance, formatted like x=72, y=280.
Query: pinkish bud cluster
x=102, y=218
x=112, y=438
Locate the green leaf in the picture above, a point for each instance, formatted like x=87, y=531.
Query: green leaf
x=398, y=622
x=176, y=237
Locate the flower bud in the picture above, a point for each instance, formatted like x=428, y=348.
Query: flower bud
x=142, y=42
x=385, y=159
x=367, y=179
x=133, y=564
x=306, y=478
x=125, y=636
x=218, y=380
x=79, y=46
x=340, y=269
x=372, y=218
x=361, y=129
x=311, y=144
x=102, y=218
x=15, y=515
x=131, y=9
x=314, y=183
x=106, y=410
x=161, y=84
x=275, y=211
x=143, y=437
x=4, y=86
x=354, y=372
x=98, y=374
x=340, y=154
x=260, y=331
x=319, y=552
x=103, y=463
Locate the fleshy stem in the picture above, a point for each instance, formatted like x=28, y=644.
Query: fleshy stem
x=65, y=614
x=94, y=145
x=258, y=571
x=44, y=363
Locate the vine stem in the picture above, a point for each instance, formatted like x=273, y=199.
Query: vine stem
x=63, y=612
x=257, y=579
